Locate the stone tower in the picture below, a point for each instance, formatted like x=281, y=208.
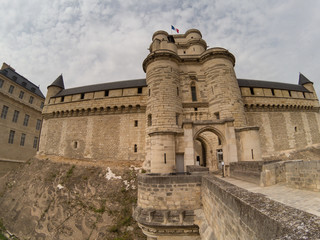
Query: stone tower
x=54, y=88
x=164, y=105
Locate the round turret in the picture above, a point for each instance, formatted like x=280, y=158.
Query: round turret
x=54, y=88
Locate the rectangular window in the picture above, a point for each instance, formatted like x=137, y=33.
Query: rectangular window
x=4, y=112
x=106, y=93
x=272, y=91
x=82, y=96
x=11, y=89
x=139, y=90
x=23, y=138
x=15, y=116
x=21, y=94
x=11, y=136
x=35, y=142
x=135, y=148
x=194, y=94
x=251, y=91
x=31, y=100
x=41, y=105
x=1, y=83
x=38, y=124
x=217, y=115
x=149, y=120
x=177, y=118
x=136, y=123
x=290, y=93
x=26, y=120
x=62, y=99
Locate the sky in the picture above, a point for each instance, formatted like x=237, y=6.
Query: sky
x=98, y=41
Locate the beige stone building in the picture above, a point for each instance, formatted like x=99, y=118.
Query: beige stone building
x=189, y=110
x=21, y=104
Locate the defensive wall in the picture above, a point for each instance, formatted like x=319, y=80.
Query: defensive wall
x=294, y=173
x=202, y=206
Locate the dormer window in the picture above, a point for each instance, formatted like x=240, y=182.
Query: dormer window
x=24, y=84
x=33, y=89
x=14, y=78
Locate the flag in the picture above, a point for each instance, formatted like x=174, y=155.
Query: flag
x=174, y=29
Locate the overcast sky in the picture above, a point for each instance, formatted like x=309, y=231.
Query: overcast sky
x=96, y=41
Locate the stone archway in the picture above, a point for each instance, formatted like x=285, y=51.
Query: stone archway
x=208, y=144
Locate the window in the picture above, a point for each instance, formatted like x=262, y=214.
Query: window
x=4, y=112
x=139, y=90
x=177, y=118
x=31, y=100
x=41, y=105
x=304, y=95
x=82, y=96
x=251, y=91
x=149, y=120
x=272, y=91
x=290, y=93
x=38, y=124
x=217, y=115
x=75, y=145
x=135, y=148
x=23, y=138
x=35, y=142
x=195, y=109
x=62, y=99
x=177, y=91
x=165, y=158
x=106, y=93
x=15, y=116
x=33, y=89
x=194, y=93
x=14, y=78
x=26, y=120
x=24, y=84
x=136, y=123
x=11, y=89
x=21, y=94
x=11, y=136
x=1, y=83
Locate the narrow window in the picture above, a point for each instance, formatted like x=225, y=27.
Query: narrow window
x=35, y=142
x=135, y=148
x=21, y=94
x=22, y=140
x=15, y=116
x=139, y=90
x=165, y=158
x=62, y=99
x=1, y=83
x=38, y=124
x=41, y=105
x=272, y=91
x=295, y=129
x=75, y=145
x=251, y=91
x=4, y=112
x=11, y=89
x=195, y=109
x=290, y=93
x=31, y=100
x=82, y=96
x=11, y=136
x=106, y=93
x=252, y=154
x=304, y=95
x=136, y=123
x=149, y=120
x=177, y=91
x=177, y=118
x=194, y=94
x=217, y=115
x=184, y=52
x=26, y=120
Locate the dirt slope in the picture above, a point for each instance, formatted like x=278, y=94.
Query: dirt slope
x=50, y=198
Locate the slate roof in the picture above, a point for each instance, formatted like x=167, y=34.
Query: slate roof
x=274, y=85
x=58, y=82
x=103, y=86
x=303, y=79
x=22, y=81
x=142, y=83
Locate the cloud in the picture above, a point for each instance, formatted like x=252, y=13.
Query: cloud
x=94, y=41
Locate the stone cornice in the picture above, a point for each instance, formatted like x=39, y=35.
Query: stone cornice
x=160, y=54
x=279, y=108
x=217, y=53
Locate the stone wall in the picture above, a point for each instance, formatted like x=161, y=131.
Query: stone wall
x=235, y=213
x=297, y=174
x=247, y=171
x=169, y=192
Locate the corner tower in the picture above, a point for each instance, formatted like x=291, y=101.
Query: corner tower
x=54, y=88
x=164, y=106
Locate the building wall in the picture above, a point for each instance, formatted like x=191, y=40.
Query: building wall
x=14, y=150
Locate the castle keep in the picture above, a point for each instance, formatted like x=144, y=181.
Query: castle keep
x=190, y=110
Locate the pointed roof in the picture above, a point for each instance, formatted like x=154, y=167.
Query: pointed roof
x=303, y=80
x=58, y=82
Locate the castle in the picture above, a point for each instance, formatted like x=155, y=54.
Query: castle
x=190, y=110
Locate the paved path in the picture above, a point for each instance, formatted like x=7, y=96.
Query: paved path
x=307, y=201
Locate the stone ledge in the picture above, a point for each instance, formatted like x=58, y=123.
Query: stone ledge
x=168, y=179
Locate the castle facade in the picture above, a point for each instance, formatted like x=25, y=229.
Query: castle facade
x=191, y=109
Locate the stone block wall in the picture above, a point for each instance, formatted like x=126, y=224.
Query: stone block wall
x=169, y=192
x=247, y=170
x=235, y=213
